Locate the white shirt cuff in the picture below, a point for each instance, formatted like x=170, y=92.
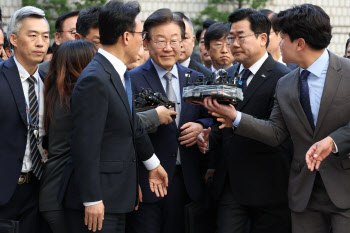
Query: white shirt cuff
x=151, y=163
x=336, y=148
x=91, y=203
x=238, y=119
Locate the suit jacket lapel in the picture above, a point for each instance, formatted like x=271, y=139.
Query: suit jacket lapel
x=11, y=74
x=295, y=101
x=151, y=76
x=117, y=83
x=182, y=80
x=333, y=79
x=259, y=78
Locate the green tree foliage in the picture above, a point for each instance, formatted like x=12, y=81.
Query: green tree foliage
x=54, y=8
x=212, y=10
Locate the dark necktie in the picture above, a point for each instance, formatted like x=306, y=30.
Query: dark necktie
x=305, y=97
x=33, y=111
x=128, y=88
x=245, y=75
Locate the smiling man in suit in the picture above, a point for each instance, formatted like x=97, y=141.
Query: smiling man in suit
x=251, y=178
x=312, y=106
x=174, y=143
x=21, y=127
x=108, y=139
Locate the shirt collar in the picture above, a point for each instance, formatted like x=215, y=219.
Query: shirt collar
x=186, y=63
x=23, y=73
x=256, y=66
x=161, y=71
x=118, y=65
x=317, y=67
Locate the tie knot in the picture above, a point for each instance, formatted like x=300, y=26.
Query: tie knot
x=245, y=74
x=168, y=76
x=304, y=74
x=32, y=79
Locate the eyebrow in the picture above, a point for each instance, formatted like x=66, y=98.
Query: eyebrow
x=33, y=31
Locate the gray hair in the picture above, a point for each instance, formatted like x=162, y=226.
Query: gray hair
x=14, y=25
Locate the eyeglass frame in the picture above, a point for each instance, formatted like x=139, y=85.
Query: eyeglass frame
x=166, y=43
x=71, y=32
x=222, y=46
x=143, y=34
x=230, y=37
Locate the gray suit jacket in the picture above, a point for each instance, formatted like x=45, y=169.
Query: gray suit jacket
x=288, y=118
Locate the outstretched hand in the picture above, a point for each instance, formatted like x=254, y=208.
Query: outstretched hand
x=203, y=139
x=158, y=181
x=318, y=152
x=225, y=113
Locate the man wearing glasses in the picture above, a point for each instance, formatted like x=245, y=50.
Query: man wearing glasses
x=65, y=30
x=252, y=177
x=174, y=143
x=218, y=48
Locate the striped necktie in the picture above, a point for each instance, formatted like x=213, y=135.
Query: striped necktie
x=33, y=111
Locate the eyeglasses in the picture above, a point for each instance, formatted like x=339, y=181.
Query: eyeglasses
x=72, y=32
x=161, y=44
x=240, y=39
x=219, y=45
x=143, y=34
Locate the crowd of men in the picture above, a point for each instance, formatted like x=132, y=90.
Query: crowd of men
x=276, y=162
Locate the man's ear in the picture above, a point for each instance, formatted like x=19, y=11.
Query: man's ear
x=263, y=40
x=301, y=44
x=57, y=38
x=145, y=45
x=13, y=40
x=77, y=36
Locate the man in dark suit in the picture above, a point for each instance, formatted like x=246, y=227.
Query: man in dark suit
x=21, y=127
x=217, y=47
x=108, y=139
x=187, y=48
x=312, y=106
x=174, y=143
x=251, y=178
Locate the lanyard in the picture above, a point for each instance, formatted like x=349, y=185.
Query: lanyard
x=28, y=112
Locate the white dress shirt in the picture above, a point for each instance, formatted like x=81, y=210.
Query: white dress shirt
x=254, y=68
x=23, y=73
x=186, y=63
x=120, y=67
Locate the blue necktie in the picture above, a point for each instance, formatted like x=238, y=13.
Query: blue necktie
x=305, y=97
x=128, y=88
x=245, y=75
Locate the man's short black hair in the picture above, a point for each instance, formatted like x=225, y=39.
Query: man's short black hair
x=163, y=16
x=198, y=34
x=346, y=46
x=115, y=19
x=60, y=20
x=6, y=42
x=306, y=21
x=215, y=32
x=272, y=17
x=259, y=23
x=88, y=19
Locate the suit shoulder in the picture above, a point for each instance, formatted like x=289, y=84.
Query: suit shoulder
x=280, y=68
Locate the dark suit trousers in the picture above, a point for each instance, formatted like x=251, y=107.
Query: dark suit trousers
x=112, y=223
x=164, y=216
x=233, y=217
x=321, y=214
x=23, y=207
